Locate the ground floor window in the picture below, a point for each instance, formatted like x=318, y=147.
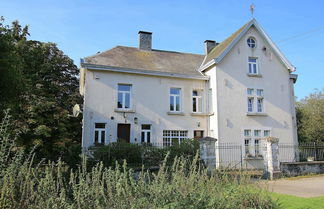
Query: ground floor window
x=146, y=133
x=173, y=137
x=198, y=134
x=100, y=133
x=252, y=141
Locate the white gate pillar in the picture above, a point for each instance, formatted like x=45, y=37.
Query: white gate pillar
x=271, y=158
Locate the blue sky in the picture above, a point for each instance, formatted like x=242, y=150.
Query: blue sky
x=82, y=28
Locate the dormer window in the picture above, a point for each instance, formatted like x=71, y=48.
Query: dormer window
x=251, y=42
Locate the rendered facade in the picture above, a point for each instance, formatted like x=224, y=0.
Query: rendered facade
x=240, y=91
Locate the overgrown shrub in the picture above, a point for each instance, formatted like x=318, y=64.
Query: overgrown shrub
x=137, y=155
x=183, y=185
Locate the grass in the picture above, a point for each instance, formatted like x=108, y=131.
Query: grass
x=294, y=202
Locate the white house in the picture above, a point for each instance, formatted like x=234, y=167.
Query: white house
x=239, y=91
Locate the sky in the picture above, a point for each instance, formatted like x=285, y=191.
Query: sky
x=84, y=27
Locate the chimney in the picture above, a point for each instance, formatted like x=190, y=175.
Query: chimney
x=209, y=45
x=145, y=40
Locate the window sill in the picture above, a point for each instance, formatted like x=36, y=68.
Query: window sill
x=199, y=114
x=254, y=75
x=253, y=158
x=256, y=114
x=124, y=110
x=175, y=113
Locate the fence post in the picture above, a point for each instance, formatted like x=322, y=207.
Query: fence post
x=315, y=151
x=241, y=157
x=208, y=152
x=271, y=161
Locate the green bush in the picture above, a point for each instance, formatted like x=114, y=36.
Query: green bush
x=138, y=155
x=183, y=185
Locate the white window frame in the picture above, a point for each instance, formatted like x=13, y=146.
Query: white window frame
x=256, y=95
x=145, y=132
x=100, y=132
x=253, y=148
x=253, y=64
x=169, y=135
x=198, y=99
x=250, y=104
x=174, y=98
x=251, y=45
x=124, y=96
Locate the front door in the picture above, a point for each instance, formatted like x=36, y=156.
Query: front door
x=123, y=132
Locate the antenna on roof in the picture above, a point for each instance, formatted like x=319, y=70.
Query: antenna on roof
x=252, y=9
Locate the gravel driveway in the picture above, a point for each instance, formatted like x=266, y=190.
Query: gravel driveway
x=302, y=187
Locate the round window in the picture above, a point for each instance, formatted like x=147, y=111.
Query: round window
x=251, y=42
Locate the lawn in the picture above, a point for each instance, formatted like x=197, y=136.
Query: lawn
x=294, y=202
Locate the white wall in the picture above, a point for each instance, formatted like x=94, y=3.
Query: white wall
x=150, y=96
x=232, y=83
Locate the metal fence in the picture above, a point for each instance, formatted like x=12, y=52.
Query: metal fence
x=303, y=152
x=222, y=155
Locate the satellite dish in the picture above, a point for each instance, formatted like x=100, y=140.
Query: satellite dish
x=76, y=110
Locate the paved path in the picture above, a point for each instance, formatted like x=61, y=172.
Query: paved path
x=302, y=187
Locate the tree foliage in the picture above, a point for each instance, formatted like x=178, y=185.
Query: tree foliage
x=42, y=83
x=310, y=118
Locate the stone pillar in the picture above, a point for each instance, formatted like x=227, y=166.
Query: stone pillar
x=208, y=152
x=271, y=155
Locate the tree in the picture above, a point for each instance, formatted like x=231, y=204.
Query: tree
x=310, y=118
x=40, y=110
x=11, y=83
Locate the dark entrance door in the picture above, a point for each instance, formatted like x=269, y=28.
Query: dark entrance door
x=123, y=132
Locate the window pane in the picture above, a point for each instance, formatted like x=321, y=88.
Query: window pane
x=148, y=137
x=254, y=68
x=250, y=91
x=146, y=127
x=251, y=59
x=177, y=103
x=250, y=105
x=194, y=93
x=175, y=91
x=250, y=68
x=194, y=104
x=171, y=103
x=266, y=133
x=103, y=133
x=260, y=104
x=124, y=87
x=100, y=125
x=199, y=105
x=260, y=92
x=247, y=132
x=143, y=137
x=127, y=100
x=96, y=136
x=120, y=100
x=257, y=132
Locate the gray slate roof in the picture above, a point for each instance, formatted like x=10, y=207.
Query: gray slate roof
x=153, y=60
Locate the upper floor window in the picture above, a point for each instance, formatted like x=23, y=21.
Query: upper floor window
x=175, y=102
x=253, y=65
x=99, y=133
x=255, y=100
x=124, y=96
x=251, y=42
x=196, y=101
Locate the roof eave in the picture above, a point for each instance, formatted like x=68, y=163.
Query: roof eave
x=141, y=72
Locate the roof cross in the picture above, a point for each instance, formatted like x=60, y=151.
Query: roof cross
x=252, y=9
